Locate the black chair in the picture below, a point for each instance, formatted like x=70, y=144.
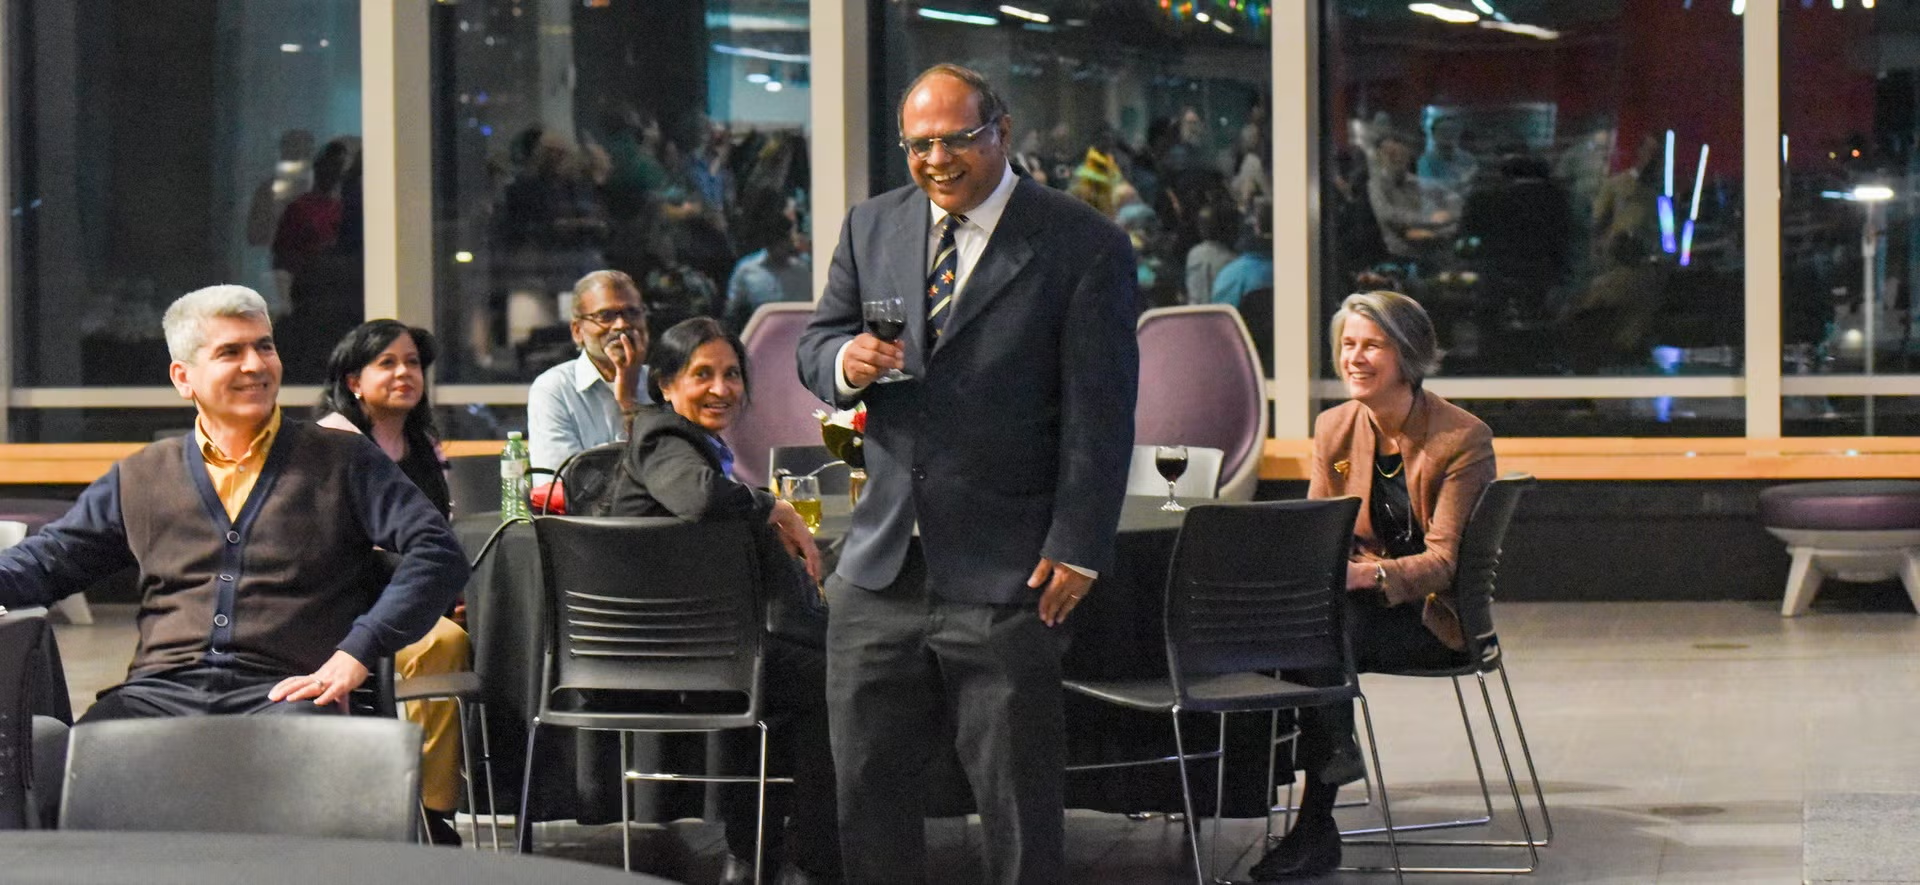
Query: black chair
x=653, y=625
x=1253, y=589
x=27, y=654
x=1479, y=559
x=339, y=777
x=836, y=476
x=473, y=482
x=586, y=477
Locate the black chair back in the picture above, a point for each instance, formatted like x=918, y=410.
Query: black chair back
x=1259, y=587
x=587, y=477
x=802, y=460
x=1479, y=559
x=651, y=604
x=323, y=776
x=21, y=647
x=473, y=483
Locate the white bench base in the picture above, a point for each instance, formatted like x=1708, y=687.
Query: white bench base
x=1859, y=556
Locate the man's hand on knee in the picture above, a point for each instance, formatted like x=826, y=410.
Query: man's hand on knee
x=340, y=675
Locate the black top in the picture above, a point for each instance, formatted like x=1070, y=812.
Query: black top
x=422, y=464
x=672, y=468
x=1392, y=510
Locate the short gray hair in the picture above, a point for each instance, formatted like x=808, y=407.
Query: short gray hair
x=186, y=319
x=611, y=279
x=1406, y=324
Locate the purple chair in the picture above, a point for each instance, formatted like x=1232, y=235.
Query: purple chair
x=1201, y=385
x=1853, y=530
x=781, y=410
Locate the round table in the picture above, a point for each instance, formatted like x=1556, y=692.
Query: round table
x=33, y=857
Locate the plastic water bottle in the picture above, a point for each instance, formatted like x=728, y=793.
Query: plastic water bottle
x=516, y=480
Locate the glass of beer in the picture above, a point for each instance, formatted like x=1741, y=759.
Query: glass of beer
x=803, y=492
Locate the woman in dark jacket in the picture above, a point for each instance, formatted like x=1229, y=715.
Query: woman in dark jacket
x=677, y=465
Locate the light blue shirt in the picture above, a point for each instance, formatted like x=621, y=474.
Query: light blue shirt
x=756, y=281
x=571, y=409
x=1250, y=272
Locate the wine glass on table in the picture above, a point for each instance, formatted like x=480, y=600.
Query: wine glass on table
x=886, y=318
x=1171, y=461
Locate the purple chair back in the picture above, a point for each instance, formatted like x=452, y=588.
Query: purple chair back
x=1200, y=385
x=781, y=410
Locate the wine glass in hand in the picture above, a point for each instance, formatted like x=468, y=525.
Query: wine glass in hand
x=1171, y=461
x=886, y=318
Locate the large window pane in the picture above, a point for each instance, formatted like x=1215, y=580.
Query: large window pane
x=161, y=147
x=1849, y=112
x=1557, y=181
x=667, y=140
x=1154, y=115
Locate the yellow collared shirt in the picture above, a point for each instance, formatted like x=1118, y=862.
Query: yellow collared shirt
x=233, y=478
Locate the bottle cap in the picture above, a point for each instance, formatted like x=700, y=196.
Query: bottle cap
x=513, y=434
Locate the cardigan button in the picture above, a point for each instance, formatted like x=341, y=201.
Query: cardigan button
x=233, y=537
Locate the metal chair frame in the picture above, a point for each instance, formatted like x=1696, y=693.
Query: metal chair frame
x=1276, y=695
x=1476, y=567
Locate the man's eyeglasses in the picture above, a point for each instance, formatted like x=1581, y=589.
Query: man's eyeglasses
x=633, y=316
x=956, y=142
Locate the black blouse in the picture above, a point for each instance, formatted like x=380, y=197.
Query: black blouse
x=1391, y=509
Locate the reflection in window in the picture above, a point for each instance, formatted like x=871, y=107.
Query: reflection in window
x=1848, y=112
x=1557, y=182
x=1155, y=116
x=667, y=140
x=159, y=148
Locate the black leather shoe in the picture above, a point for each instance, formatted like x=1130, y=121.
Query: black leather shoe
x=440, y=829
x=1312, y=848
x=736, y=871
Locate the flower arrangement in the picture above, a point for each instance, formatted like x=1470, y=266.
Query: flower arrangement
x=844, y=433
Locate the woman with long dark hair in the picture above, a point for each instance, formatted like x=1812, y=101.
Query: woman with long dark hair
x=376, y=385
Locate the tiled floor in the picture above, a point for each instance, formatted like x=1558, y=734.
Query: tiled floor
x=1678, y=741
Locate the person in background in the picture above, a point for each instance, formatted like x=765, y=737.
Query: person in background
x=1418, y=464
x=254, y=538
x=1252, y=269
x=376, y=386
x=1218, y=223
x=677, y=465
x=585, y=402
x=777, y=271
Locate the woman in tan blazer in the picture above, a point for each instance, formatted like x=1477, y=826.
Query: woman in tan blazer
x=1418, y=464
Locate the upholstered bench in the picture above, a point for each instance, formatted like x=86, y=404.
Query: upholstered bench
x=33, y=514
x=1853, y=530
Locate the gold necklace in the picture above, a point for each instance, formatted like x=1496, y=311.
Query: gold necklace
x=1396, y=471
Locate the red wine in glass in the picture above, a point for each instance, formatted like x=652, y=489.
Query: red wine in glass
x=886, y=318
x=1171, y=461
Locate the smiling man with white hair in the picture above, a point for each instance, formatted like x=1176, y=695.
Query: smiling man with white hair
x=254, y=537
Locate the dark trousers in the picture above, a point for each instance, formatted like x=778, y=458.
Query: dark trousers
x=197, y=690
x=795, y=704
x=1384, y=638
x=901, y=668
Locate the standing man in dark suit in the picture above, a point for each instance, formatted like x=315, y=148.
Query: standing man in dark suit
x=995, y=480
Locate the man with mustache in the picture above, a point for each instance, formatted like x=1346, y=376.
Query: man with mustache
x=254, y=537
x=585, y=402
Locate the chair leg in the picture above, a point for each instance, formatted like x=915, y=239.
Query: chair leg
x=523, y=825
x=1803, y=582
x=466, y=773
x=1186, y=800
x=1479, y=771
x=1386, y=805
x=486, y=765
x=626, y=804
x=1513, y=787
x=1219, y=795
x=1526, y=754
x=760, y=813
x=1910, y=575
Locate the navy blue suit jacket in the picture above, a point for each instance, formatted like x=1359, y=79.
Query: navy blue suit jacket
x=1012, y=442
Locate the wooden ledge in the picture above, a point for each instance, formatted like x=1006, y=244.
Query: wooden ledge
x=1682, y=458
x=1581, y=458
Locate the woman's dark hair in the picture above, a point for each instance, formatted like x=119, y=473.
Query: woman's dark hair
x=359, y=348
x=670, y=353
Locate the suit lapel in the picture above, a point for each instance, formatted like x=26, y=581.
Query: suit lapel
x=906, y=273
x=1415, y=448
x=1361, y=470
x=1007, y=253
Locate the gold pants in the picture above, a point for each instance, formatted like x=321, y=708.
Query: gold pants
x=444, y=649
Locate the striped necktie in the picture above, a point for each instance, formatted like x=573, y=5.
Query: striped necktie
x=940, y=282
